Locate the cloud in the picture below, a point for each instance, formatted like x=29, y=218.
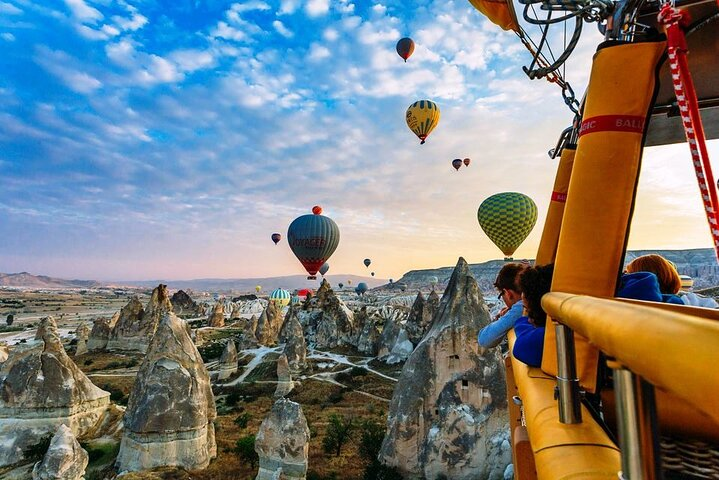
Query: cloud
x=82, y=11
x=135, y=22
x=318, y=52
x=9, y=9
x=316, y=8
x=281, y=29
x=9, y=37
x=192, y=60
x=60, y=64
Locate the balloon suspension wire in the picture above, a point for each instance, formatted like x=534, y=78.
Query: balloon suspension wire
x=673, y=20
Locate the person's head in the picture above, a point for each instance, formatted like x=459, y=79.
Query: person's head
x=507, y=283
x=669, y=281
x=535, y=282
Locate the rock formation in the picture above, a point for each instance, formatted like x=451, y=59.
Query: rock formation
x=184, y=305
x=269, y=324
x=235, y=312
x=81, y=335
x=4, y=352
x=448, y=415
x=41, y=388
x=284, y=378
x=326, y=320
x=136, y=326
x=100, y=333
x=217, y=317
x=394, y=344
x=228, y=361
x=170, y=412
x=283, y=443
x=46, y=324
x=64, y=460
x=370, y=331
x=295, y=347
x=420, y=316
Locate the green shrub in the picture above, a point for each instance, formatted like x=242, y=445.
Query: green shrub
x=339, y=430
x=241, y=420
x=245, y=448
x=371, y=437
x=377, y=471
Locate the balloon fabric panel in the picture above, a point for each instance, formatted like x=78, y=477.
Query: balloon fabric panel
x=507, y=219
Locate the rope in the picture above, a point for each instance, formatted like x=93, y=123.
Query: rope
x=673, y=20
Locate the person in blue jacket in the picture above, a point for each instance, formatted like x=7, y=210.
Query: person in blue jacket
x=528, y=346
x=507, y=284
x=536, y=281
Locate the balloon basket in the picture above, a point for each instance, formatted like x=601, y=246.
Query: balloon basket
x=312, y=277
x=508, y=259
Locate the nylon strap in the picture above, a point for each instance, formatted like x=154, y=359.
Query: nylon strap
x=674, y=20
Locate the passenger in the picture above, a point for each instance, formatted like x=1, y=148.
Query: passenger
x=537, y=281
x=670, y=282
x=534, y=282
x=507, y=283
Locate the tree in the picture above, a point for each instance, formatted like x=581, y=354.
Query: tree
x=245, y=448
x=338, y=432
x=372, y=435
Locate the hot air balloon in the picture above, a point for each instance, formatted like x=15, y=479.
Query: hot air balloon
x=433, y=280
x=367, y=262
x=349, y=282
x=323, y=269
x=422, y=116
x=467, y=162
x=276, y=237
x=313, y=239
x=507, y=218
x=456, y=163
x=391, y=281
x=341, y=285
x=258, y=288
x=280, y=297
x=361, y=288
x=372, y=274
x=405, y=47
x=317, y=210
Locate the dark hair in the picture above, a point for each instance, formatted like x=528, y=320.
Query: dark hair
x=508, y=277
x=535, y=282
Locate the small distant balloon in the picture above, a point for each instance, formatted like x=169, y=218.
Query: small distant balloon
x=372, y=274
x=361, y=288
x=467, y=161
x=433, y=280
x=317, y=210
x=422, y=116
x=391, y=281
x=405, y=47
x=276, y=237
x=367, y=262
x=323, y=269
x=349, y=282
x=258, y=288
x=341, y=285
x=456, y=163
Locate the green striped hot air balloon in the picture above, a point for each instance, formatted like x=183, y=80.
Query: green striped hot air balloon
x=280, y=297
x=507, y=218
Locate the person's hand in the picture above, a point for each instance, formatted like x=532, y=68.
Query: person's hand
x=501, y=312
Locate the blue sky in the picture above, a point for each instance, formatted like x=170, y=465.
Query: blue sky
x=144, y=139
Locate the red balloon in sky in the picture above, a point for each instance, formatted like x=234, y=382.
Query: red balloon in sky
x=317, y=210
x=466, y=162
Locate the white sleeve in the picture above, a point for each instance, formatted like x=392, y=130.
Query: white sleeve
x=691, y=298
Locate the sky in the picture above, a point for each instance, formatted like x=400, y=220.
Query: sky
x=145, y=139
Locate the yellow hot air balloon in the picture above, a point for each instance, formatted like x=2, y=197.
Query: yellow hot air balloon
x=498, y=12
x=422, y=117
x=507, y=218
x=258, y=288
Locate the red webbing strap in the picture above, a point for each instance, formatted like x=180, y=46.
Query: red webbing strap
x=674, y=20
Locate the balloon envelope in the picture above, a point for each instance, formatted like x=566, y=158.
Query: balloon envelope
x=276, y=237
x=372, y=274
x=456, y=163
x=361, y=287
x=258, y=288
x=422, y=116
x=280, y=297
x=341, y=284
x=433, y=280
x=367, y=262
x=313, y=239
x=467, y=161
x=507, y=218
x=405, y=47
x=323, y=269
